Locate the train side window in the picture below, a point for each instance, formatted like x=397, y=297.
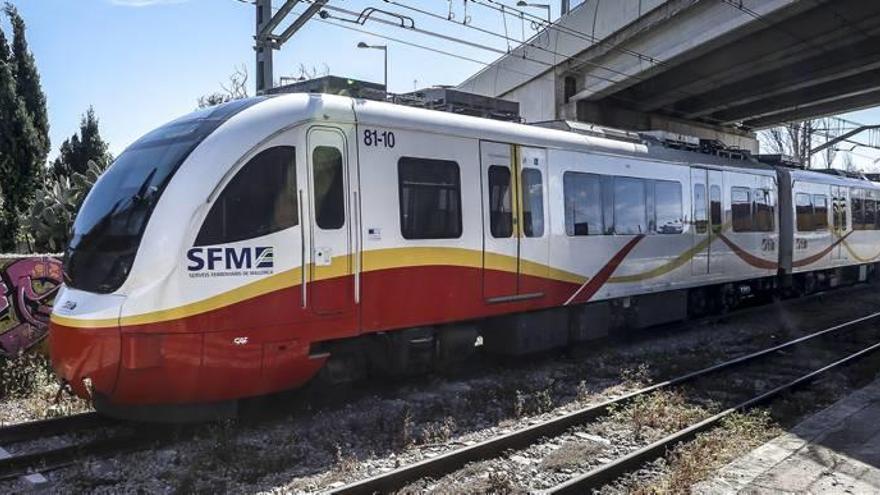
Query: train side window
x=715, y=208
x=701, y=221
x=608, y=204
x=820, y=212
x=582, y=195
x=840, y=211
x=668, y=207
x=532, y=203
x=430, y=198
x=630, y=215
x=763, y=211
x=500, y=204
x=804, y=211
x=259, y=200
x=741, y=209
x=329, y=187
x=870, y=213
x=858, y=209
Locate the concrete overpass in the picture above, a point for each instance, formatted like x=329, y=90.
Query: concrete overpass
x=711, y=68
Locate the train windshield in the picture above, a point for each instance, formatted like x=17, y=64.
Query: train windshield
x=112, y=219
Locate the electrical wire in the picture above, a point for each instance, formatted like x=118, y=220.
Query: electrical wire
x=508, y=39
x=404, y=42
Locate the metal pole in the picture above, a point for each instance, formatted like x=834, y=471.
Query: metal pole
x=566, y=6
x=385, y=51
x=263, y=48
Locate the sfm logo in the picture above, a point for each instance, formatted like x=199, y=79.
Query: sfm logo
x=230, y=258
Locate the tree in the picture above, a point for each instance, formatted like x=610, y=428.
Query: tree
x=54, y=210
x=87, y=145
x=82, y=159
x=796, y=139
x=235, y=90
x=20, y=152
x=27, y=81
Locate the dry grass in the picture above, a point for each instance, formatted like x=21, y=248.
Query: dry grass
x=694, y=461
x=572, y=455
x=656, y=414
x=30, y=389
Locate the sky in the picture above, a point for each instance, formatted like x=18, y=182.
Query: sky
x=141, y=63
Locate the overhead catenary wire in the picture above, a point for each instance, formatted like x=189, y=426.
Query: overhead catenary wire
x=524, y=56
x=403, y=42
x=548, y=65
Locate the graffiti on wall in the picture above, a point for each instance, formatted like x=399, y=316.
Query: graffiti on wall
x=27, y=289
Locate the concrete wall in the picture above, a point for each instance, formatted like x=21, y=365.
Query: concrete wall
x=27, y=289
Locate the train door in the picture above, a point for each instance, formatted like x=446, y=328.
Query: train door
x=534, y=235
x=498, y=166
x=515, y=237
x=716, y=220
x=331, y=285
x=840, y=207
x=707, y=188
x=700, y=222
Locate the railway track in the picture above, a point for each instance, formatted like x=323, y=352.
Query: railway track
x=794, y=376
x=109, y=437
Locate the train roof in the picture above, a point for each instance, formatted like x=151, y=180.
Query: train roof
x=314, y=106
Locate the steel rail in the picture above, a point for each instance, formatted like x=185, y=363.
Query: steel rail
x=609, y=472
x=451, y=461
x=32, y=430
x=24, y=464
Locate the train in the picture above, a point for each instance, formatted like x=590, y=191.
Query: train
x=256, y=246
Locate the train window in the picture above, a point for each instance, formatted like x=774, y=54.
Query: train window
x=839, y=205
x=630, y=216
x=259, y=200
x=858, y=209
x=820, y=212
x=608, y=204
x=500, y=204
x=870, y=213
x=741, y=209
x=430, y=198
x=583, y=204
x=715, y=208
x=700, y=219
x=533, y=203
x=668, y=208
x=329, y=187
x=763, y=211
x=804, y=211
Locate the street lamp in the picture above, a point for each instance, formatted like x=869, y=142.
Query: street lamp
x=384, y=49
x=523, y=3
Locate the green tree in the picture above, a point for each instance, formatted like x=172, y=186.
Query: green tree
x=54, y=210
x=82, y=159
x=79, y=149
x=20, y=152
x=27, y=81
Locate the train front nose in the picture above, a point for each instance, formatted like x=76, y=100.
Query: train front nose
x=84, y=351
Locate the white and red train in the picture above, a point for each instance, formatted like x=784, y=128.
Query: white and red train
x=241, y=250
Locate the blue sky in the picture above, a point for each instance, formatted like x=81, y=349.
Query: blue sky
x=141, y=63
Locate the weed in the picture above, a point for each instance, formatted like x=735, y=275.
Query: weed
x=528, y=404
x=439, y=432
x=661, y=412
x=25, y=374
x=639, y=376
x=692, y=462
x=572, y=455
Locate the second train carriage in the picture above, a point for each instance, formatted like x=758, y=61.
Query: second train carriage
x=241, y=250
